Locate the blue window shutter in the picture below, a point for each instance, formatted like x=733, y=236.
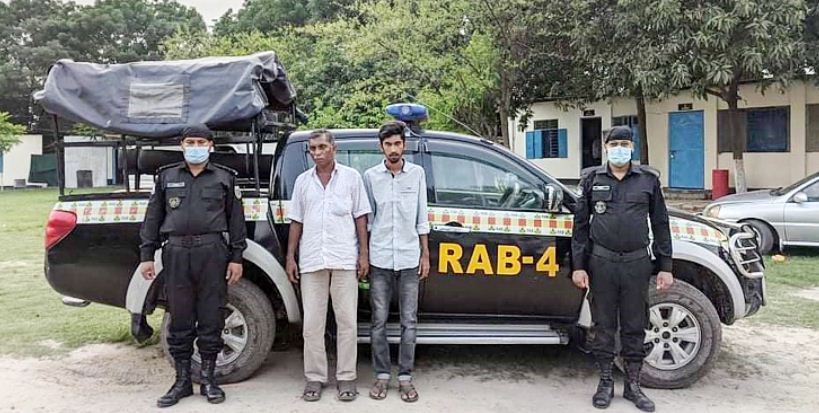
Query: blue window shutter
x=530, y=145
x=539, y=144
x=562, y=143
x=635, y=131
x=1, y=162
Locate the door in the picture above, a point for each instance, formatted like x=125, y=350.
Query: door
x=492, y=251
x=802, y=219
x=592, y=138
x=686, y=151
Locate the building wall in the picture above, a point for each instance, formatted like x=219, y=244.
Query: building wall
x=98, y=160
x=762, y=169
x=17, y=161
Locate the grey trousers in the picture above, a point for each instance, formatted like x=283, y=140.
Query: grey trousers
x=382, y=285
x=316, y=288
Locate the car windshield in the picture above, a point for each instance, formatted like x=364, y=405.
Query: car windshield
x=797, y=184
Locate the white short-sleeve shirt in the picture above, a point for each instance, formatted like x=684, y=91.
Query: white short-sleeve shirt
x=328, y=240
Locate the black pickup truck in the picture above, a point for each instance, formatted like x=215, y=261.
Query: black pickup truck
x=500, y=251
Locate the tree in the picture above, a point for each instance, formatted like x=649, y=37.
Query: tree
x=269, y=16
x=731, y=41
x=624, y=49
x=9, y=132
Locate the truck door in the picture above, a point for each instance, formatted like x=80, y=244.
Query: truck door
x=493, y=250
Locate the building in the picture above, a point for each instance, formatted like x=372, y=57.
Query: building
x=687, y=136
x=16, y=163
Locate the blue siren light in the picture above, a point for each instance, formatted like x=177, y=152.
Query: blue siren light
x=407, y=112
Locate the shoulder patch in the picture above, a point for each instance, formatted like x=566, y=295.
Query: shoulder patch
x=590, y=170
x=651, y=170
x=169, y=166
x=225, y=168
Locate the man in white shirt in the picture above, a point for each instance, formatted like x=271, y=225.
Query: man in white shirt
x=399, y=255
x=328, y=227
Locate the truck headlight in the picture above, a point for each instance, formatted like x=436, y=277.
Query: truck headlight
x=713, y=212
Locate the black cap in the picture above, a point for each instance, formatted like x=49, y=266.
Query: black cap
x=197, y=130
x=619, y=133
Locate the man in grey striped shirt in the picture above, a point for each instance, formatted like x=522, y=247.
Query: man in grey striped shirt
x=399, y=255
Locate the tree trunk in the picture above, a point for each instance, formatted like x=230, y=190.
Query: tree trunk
x=737, y=138
x=503, y=108
x=641, y=127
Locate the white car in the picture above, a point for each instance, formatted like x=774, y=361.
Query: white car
x=781, y=217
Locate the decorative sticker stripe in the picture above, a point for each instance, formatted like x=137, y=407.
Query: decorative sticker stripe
x=536, y=223
x=133, y=210
x=500, y=222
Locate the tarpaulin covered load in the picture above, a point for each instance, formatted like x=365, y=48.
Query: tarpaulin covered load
x=157, y=99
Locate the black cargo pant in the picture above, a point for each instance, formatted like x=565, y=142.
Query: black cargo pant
x=195, y=269
x=619, y=293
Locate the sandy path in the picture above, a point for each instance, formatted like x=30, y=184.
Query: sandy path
x=761, y=369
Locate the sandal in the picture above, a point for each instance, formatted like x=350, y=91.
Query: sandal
x=347, y=390
x=312, y=391
x=408, y=392
x=379, y=390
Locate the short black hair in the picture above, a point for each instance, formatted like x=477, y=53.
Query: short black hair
x=392, y=128
x=323, y=132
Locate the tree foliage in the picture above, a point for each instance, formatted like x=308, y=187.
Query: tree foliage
x=9, y=132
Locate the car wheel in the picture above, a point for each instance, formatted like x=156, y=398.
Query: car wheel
x=683, y=339
x=250, y=329
x=765, y=236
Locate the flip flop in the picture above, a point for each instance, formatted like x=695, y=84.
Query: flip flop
x=379, y=389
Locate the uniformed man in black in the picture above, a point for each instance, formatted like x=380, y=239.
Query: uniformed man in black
x=194, y=204
x=610, y=255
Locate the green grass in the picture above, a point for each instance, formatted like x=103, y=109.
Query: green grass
x=32, y=317
x=799, y=271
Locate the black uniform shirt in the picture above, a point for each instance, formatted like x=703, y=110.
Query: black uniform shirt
x=613, y=214
x=182, y=204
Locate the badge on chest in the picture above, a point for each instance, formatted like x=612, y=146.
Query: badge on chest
x=174, y=202
x=601, y=194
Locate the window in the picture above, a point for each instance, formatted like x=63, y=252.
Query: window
x=545, y=124
x=546, y=141
x=812, y=191
x=812, y=139
x=768, y=129
x=765, y=129
x=632, y=122
x=485, y=183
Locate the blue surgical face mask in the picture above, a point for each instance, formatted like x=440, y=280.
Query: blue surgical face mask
x=197, y=154
x=619, y=156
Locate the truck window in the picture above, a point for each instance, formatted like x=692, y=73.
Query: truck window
x=488, y=182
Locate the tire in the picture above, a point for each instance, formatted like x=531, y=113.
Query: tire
x=765, y=235
x=256, y=324
x=665, y=372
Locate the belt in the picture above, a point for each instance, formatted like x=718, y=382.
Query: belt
x=604, y=252
x=195, y=240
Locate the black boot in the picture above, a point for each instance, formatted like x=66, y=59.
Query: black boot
x=182, y=387
x=208, y=386
x=632, y=391
x=605, y=388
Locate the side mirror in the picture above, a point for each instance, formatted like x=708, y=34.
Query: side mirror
x=554, y=198
x=800, y=197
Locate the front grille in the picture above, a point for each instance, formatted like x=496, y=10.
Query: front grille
x=745, y=253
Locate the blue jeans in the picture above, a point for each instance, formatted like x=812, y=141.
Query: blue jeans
x=382, y=284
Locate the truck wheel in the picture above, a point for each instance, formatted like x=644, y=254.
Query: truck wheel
x=684, y=337
x=250, y=329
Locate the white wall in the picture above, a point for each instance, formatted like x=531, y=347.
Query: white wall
x=17, y=161
x=98, y=160
x=762, y=169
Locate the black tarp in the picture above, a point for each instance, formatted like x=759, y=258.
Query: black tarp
x=157, y=99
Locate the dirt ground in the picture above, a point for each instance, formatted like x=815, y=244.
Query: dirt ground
x=761, y=369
